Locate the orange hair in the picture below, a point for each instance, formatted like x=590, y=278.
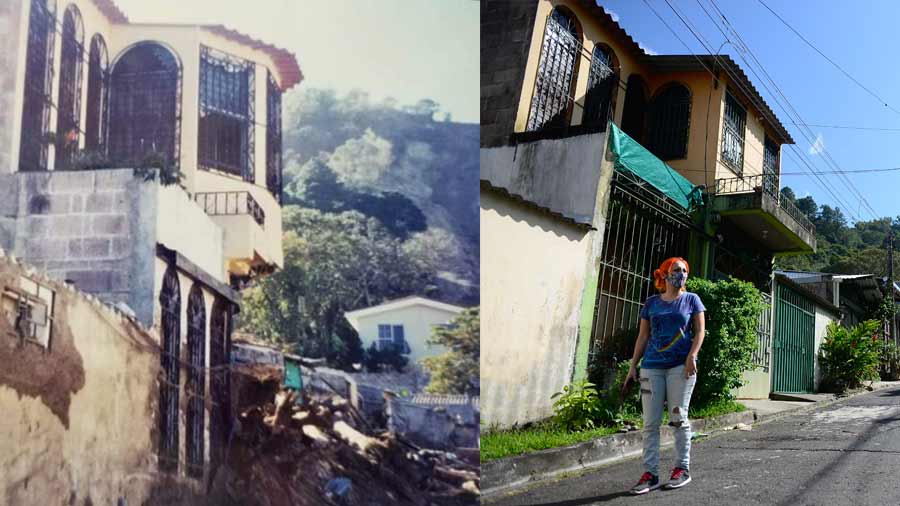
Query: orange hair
x=659, y=275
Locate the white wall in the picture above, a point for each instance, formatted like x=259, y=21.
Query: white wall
x=417, y=321
x=823, y=318
x=183, y=226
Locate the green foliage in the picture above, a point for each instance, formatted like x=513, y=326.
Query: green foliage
x=388, y=359
x=577, y=406
x=333, y=263
x=617, y=406
x=849, y=356
x=890, y=364
x=732, y=312
x=457, y=371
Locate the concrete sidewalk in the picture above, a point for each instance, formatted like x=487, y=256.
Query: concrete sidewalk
x=501, y=476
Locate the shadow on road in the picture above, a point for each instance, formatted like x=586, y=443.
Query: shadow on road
x=585, y=500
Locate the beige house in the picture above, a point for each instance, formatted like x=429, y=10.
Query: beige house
x=98, y=117
x=406, y=323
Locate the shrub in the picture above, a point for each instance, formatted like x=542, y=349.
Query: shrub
x=732, y=316
x=849, y=356
x=616, y=406
x=890, y=365
x=577, y=406
x=389, y=358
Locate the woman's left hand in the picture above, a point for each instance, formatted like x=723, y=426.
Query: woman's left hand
x=690, y=367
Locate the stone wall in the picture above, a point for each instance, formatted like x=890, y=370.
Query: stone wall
x=10, y=31
x=95, y=228
x=443, y=422
x=506, y=28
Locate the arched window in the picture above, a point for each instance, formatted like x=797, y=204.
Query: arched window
x=551, y=103
x=635, y=108
x=145, y=106
x=38, y=79
x=599, y=104
x=170, y=304
x=195, y=387
x=273, y=138
x=68, y=119
x=220, y=386
x=97, y=96
x=670, y=122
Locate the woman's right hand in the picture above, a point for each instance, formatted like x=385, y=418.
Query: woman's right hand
x=631, y=376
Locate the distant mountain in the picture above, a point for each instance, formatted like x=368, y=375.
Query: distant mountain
x=394, y=163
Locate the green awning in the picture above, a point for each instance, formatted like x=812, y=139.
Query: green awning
x=631, y=157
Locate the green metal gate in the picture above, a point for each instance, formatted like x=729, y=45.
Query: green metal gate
x=794, y=342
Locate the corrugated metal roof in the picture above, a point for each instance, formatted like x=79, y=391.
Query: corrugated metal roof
x=286, y=65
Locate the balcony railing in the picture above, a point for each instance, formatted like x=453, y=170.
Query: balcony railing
x=764, y=184
x=231, y=203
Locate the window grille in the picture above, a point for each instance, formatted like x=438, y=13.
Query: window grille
x=219, y=359
x=733, y=133
x=38, y=78
x=273, y=138
x=670, y=122
x=635, y=108
x=97, y=96
x=226, y=113
x=550, y=103
x=770, y=167
x=195, y=386
x=68, y=114
x=392, y=337
x=145, y=107
x=170, y=304
x=602, y=85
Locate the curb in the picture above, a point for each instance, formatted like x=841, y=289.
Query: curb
x=502, y=476
x=509, y=475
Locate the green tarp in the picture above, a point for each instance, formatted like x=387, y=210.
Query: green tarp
x=292, y=377
x=631, y=157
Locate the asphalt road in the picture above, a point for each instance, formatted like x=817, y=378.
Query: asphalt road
x=845, y=453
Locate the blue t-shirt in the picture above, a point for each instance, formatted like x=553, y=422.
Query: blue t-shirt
x=671, y=329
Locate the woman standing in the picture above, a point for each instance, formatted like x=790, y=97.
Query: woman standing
x=671, y=332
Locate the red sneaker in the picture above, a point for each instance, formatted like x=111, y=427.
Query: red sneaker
x=680, y=478
x=647, y=483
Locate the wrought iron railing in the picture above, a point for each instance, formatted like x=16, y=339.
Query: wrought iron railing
x=231, y=203
x=763, y=184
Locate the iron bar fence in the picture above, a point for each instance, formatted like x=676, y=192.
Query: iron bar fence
x=764, y=184
x=231, y=203
x=762, y=354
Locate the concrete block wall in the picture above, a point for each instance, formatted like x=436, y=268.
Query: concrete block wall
x=506, y=28
x=10, y=31
x=95, y=228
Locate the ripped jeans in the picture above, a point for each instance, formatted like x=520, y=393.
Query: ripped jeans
x=657, y=386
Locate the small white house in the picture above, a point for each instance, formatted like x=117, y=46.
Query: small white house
x=406, y=322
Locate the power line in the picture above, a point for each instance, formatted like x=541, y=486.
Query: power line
x=735, y=81
x=858, y=171
x=810, y=44
x=806, y=131
x=850, y=127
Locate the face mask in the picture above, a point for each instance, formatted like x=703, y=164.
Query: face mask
x=677, y=279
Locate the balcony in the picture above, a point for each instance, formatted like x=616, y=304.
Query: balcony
x=247, y=249
x=755, y=205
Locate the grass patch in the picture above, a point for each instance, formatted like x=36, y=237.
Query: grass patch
x=496, y=444
x=716, y=408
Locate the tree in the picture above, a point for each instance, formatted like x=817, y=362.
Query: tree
x=807, y=205
x=457, y=371
x=788, y=193
x=333, y=263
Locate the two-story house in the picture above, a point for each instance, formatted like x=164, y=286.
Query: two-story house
x=599, y=160
x=98, y=117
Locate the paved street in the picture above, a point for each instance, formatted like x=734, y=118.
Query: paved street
x=846, y=453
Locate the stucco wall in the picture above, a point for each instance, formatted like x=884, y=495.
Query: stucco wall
x=559, y=174
x=417, y=322
x=533, y=277
x=183, y=226
x=79, y=421
x=823, y=318
x=10, y=43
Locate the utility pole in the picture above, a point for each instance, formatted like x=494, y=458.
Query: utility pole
x=890, y=281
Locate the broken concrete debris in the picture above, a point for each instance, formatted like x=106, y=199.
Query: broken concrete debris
x=321, y=451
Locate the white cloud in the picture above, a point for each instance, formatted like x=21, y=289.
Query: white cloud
x=817, y=146
x=612, y=14
x=648, y=50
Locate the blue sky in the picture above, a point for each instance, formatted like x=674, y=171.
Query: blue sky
x=862, y=37
x=405, y=49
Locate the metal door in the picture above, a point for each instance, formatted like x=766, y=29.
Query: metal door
x=793, y=345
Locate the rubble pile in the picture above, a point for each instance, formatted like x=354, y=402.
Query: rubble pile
x=322, y=451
